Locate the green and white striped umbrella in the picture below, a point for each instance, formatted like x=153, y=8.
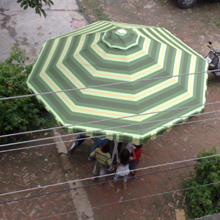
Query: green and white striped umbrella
x=126, y=57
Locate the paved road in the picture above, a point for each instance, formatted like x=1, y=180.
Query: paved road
x=195, y=27
x=26, y=169
x=27, y=30
x=181, y=143
x=21, y=170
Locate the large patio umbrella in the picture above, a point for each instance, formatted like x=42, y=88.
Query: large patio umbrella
x=126, y=59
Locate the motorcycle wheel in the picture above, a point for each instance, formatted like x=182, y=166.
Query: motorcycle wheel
x=184, y=4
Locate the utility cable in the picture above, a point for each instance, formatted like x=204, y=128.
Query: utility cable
x=104, y=120
x=85, y=138
x=94, y=184
x=150, y=167
x=106, y=175
x=134, y=199
x=105, y=85
x=100, y=130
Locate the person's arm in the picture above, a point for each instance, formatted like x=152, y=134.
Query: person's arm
x=116, y=165
x=134, y=155
x=92, y=154
x=109, y=161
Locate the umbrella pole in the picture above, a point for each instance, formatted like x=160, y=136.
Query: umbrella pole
x=115, y=151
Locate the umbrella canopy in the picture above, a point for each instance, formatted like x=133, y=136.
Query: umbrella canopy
x=128, y=58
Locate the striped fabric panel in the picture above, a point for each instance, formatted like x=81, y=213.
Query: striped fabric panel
x=106, y=52
x=103, y=158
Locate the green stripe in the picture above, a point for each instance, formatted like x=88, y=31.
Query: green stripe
x=166, y=63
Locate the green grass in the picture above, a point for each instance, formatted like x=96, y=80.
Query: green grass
x=215, y=21
x=100, y=15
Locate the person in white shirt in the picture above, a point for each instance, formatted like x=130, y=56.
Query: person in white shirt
x=122, y=168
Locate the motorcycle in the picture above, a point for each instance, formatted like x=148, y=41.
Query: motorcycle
x=78, y=141
x=213, y=59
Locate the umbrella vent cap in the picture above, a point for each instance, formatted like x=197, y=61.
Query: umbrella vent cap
x=121, y=32
x=121, y=38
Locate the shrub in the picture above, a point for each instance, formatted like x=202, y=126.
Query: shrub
x=37, y=4
x=204, y=200
x=21, y=114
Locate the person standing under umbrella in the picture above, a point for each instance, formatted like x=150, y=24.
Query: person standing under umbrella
x=122, y=168
x=98, y=143
x=103, y=158
x=135, y=154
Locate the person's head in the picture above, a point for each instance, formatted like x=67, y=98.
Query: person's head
x=106, y=148
x=138, y=146
x=124, y=156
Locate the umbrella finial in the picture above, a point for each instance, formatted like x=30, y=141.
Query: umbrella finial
x=121, y=38
x=121, y=31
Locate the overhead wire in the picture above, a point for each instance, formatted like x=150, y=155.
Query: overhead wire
x=156, y=78
x=85, y=138
x=105, y=129
x=100, y=130
x=111, y=174
x=105, y=85
x=191, y=122
x=104, y=135
x=134, y=199
x=109, y=181
x=128, y=116
x=104, y=120
x=91, y=122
